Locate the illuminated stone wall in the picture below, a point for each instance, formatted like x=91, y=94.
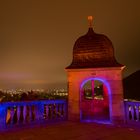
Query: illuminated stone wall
x=111, y=77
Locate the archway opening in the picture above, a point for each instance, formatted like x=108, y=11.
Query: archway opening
x=94, y=102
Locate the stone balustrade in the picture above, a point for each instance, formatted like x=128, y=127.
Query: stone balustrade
x=13, y=114
x=132, y=110
x=31, y=112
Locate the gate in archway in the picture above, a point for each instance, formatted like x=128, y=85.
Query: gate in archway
x=94, y=103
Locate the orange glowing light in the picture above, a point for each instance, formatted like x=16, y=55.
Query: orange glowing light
x=90, y=20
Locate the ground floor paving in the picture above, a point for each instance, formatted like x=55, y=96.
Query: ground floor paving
x=73, y=131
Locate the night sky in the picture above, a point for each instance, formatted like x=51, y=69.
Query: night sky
x=37, y=37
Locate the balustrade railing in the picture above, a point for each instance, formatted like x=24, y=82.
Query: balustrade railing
x=31, y=112
x=132, y=111
x=36, y=112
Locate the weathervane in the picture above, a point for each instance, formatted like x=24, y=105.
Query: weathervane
x=90, y=21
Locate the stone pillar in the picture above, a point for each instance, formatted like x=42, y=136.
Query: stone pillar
x=117, y=101
x=73, y=98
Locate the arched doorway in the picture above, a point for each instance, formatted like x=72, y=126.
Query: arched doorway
x=94, y=100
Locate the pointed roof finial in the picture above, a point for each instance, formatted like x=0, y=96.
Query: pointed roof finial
x=90, y=21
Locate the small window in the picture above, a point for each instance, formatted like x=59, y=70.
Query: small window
x=87, y=89
x=93, y=90
x=88, y=93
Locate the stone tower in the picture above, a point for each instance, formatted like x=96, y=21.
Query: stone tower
x=94, y=60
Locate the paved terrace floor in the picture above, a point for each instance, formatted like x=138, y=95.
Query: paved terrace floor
x=73, y=131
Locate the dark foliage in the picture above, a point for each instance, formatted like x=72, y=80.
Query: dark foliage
x=132, y=86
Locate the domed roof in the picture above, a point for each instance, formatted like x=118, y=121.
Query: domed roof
x=92, y=51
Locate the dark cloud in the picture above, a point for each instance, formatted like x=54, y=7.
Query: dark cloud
x=37, y=37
